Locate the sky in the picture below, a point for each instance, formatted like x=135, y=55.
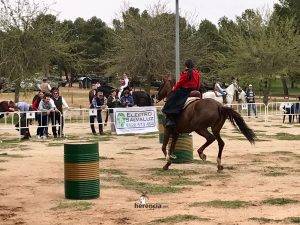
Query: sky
x=193, y=10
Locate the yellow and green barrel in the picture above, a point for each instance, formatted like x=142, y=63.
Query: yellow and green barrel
x=81, y=171
x=183, y=149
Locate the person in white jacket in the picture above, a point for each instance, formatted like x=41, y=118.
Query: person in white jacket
x=125, y=83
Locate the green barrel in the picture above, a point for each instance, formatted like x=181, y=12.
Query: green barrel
x=81, y=171
x=183, y=149
x=161, y=128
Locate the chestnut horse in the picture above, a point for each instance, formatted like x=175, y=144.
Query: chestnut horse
x=198, y=116
x=6, y=106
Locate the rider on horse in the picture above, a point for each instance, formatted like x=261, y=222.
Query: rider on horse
x=124, y=85
x=219, y=91
x=189, y=81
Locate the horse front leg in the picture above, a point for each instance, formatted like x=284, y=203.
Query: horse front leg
x=165, y=141
x=171, y=151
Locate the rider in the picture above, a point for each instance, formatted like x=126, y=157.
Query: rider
x=219, y=91
x=124, y=85
x=189, y=81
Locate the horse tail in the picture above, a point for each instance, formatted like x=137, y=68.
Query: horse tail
x=238, y=122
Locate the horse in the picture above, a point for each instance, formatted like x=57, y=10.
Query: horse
x=230, y=90
x=7, y=106
x=198, y=116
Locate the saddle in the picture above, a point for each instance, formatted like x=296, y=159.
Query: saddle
x=194, y=96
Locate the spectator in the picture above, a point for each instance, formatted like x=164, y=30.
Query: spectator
x=127, y=99
x=124, y=85
x=35, y=107
x=45, y=86
x=98, y=85
x=113, y=102
x=57, y=116
x=250, y=98
x=92, y=93
x=46, y=107
x=23, y=124
x=99, y=102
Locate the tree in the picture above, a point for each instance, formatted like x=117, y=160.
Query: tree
x=144, y=44
x=261, y=49
x=29, y=40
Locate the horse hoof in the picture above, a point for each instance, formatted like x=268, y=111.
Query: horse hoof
x=166, y=167
x=220, y=168
x=203, y=157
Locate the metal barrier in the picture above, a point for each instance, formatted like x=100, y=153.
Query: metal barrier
x=251, y=110
x=81, y=118
x=275, y=109
x=23, y=121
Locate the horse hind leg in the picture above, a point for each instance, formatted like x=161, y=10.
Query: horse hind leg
x=221, y=147
x=209, y=140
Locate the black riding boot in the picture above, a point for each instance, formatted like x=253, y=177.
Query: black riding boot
x=170, y=121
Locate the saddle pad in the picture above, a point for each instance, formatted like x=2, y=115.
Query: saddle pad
x=190, y=100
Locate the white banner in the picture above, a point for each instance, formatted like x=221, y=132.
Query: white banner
x=135, y=120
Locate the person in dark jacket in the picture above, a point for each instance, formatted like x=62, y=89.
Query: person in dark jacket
x=57, y=116
x=98, y=103
x=127, y=99
x=189, y=81
x=250, y=98
x=113, y=102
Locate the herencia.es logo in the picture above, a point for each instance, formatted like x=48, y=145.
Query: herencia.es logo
x=144, y=203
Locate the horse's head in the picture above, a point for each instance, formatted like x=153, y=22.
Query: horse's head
x=165, y=88
x=12, y=106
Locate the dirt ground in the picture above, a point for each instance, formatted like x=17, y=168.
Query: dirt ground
x=259, y=184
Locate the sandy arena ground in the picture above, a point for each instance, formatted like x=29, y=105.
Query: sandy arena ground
x=32, y=181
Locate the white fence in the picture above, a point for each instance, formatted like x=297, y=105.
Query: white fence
x=22, y=121
x=81, y=118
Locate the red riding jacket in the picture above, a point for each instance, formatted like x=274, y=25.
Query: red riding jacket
x=194, y=83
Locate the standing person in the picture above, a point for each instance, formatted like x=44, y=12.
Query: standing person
x=98, y=85
x=127, y=99
x=92, y=93
x=57, y=116
x=99, y=102
x=46, y=107
x=189, y=81
x=124, y=85
x=250, y=98
x=35, y=107
x=23, y=124
x=45, y=86
x=113, y=102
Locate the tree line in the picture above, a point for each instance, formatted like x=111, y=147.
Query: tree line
x=254, y=47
